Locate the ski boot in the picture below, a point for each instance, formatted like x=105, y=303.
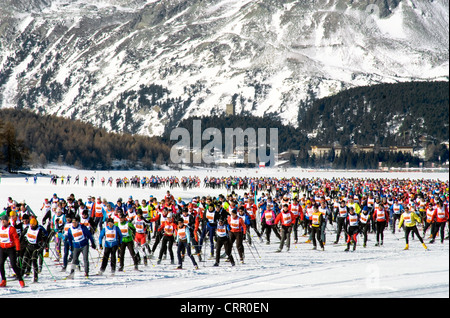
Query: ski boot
x=71, y=275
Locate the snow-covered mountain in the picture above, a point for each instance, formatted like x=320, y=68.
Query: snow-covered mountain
x=141, y=66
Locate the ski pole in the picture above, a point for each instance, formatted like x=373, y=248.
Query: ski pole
x=9, y=268
x=249, y=247
x=204, y=255
x=257, y=252
x=91, y=258
x=54, y=254
x=98, y=258
x=142, y=247
x=23, y=264
x=234, y=252
x=47, y=267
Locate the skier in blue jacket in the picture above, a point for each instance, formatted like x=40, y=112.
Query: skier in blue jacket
x=396, y=210
x=212, y=216
x=79, y=236
x=113, y=239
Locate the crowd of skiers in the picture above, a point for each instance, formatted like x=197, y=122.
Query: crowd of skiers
x=292, y=207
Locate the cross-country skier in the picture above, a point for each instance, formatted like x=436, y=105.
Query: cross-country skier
x=327, y=216
x=237, y=232
x=364, y=218
x=99, y=214
x=183, y=239
x=223, y=240
x=79, y=237
x=396, y=211
x=167, y=229
x=113, y=239
x=33, y=238
x=430, y=220
x=9, y=247
x=211, y=216
x=59, y=219
x=159, y=219
x=341, y=213
x=287, y=220
x=128, y=232
x=141, y=225
x=441, y=217
x=352, y=228
x=410, y=219
x=65, y=243
x=316, y=227
x=381, y=219
x=267, y=221
x=297, y=211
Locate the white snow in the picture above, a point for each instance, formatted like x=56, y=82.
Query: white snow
x=371, y=272
x=394, y=24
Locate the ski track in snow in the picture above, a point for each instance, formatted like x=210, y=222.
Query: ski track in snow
x=385, y=272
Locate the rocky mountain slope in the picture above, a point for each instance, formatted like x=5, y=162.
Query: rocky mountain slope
x=142, y=66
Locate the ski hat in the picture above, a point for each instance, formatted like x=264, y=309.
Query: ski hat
x=33, y=222
x=4, y=218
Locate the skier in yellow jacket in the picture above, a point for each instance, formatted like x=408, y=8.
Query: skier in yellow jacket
x=410, y=219
x=351, y=203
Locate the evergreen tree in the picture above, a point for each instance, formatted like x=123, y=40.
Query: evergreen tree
x=1, y=144
x=13, y=149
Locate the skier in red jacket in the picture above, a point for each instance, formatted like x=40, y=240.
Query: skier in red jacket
x=9, y=247
x=287, y=220
x=441, y=218
x=237, y=232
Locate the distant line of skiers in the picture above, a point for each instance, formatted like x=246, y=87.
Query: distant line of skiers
x=153, y=182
